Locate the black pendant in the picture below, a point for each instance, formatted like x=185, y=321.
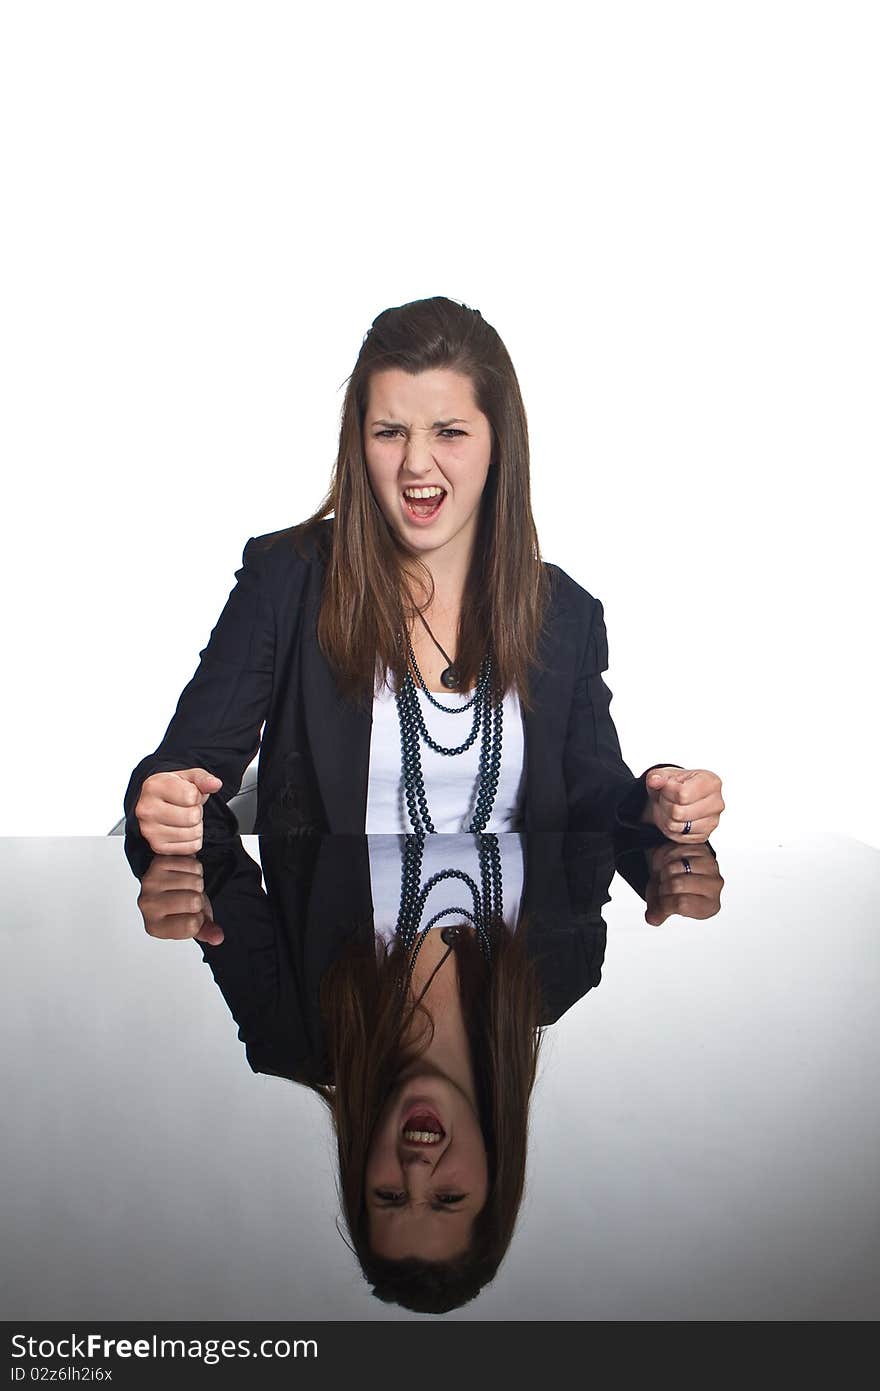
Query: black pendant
x=449, y=679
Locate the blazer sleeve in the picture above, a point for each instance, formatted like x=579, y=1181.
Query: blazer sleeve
x=220, y=713
x=603, y=793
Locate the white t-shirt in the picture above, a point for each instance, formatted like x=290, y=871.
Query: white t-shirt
x=441, y=852
x=450, y=779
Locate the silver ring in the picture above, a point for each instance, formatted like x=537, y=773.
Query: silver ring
x=687, y=829
x=687, y=864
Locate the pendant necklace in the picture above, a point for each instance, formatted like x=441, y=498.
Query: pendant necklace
x=449, y=678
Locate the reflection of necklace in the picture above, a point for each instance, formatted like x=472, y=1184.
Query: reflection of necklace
x=487, y=897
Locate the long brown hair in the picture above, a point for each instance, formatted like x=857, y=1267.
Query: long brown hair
x=365, y=603
x=366, y=1013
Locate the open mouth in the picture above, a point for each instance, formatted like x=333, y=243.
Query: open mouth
x=422, y=1127
x=423, y=504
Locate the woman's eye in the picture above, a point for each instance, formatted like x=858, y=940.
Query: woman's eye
x=388, y=434
x=386, y=1196
x=451, y=1197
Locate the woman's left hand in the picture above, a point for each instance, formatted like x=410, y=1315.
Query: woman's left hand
x=677, y=796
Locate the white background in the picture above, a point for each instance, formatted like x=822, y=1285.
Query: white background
x=669, y=211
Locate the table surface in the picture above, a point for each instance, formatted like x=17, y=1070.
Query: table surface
x=704, y=1132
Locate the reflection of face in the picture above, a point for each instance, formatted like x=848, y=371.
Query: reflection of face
x=425, y=430
x=409, y=1184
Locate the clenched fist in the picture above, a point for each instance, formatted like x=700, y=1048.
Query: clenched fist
x=169, y=809
x=173, y=902
x=684, y=884
x=684, y=803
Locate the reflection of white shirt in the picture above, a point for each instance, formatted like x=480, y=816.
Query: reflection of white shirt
x=451, y=780
x=440, y=852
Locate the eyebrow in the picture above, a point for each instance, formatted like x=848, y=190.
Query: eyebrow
x=438, y=424
x=449, y=1208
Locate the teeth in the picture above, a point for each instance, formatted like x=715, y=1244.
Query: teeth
x=422, y=1137
x=422, y=492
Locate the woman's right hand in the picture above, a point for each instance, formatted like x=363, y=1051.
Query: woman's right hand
x=169, y=809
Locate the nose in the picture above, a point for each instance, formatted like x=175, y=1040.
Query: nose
x=414, y=1159
x=418, y=1178
x=418, y=458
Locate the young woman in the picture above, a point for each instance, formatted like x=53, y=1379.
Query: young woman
x=410, y=661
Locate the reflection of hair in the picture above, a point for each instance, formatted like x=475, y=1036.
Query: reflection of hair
x=366, y=1012
x=362, y=609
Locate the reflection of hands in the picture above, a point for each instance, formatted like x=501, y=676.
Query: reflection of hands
x=173, y=901
x=677, y=796
x=672, y=890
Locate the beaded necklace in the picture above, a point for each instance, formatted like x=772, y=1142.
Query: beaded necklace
x=487, y=716
x=487, y=898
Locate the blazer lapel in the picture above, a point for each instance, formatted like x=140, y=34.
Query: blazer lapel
x=535, y=755
x=338, y=733
x=544, y=726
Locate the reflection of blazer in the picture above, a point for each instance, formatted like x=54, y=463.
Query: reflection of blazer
x=263, y=663
x=278, y=945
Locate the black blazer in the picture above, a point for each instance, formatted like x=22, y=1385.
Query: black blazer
x=263, y=663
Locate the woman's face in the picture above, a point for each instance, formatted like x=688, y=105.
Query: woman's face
x=427, y=1174
x=426, y=432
